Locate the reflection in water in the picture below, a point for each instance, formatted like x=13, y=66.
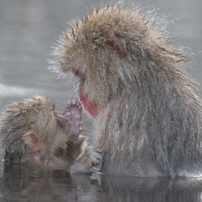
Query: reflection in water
x=153, y=189
x=21, y=183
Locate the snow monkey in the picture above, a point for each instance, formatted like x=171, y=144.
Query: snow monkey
x=147, y=113
x=31, y=132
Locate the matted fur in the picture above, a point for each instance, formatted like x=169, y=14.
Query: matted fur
x=150, y=116
x=30, y=114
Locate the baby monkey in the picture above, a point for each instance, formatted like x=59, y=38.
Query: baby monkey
x=31, y=132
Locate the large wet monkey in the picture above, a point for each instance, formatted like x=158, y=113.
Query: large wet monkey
x=148, y=116
x=32, y=133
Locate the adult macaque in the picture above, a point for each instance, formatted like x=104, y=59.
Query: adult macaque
x=148, y=116
x=31, y=132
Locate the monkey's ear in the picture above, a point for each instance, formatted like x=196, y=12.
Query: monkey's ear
x=113, y=43
x=33, y=140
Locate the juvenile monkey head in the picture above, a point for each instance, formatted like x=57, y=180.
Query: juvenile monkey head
x=112, y=50
x=32, y=126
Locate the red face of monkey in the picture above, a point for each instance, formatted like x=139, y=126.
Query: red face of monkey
x=117, y=49
x=93, y=51
x=91, y=107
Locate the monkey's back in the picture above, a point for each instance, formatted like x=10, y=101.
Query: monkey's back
x=150, y=116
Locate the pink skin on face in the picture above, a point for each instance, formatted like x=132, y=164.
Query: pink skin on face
x=91, y=107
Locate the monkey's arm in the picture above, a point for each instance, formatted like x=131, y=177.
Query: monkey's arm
x=83, y=156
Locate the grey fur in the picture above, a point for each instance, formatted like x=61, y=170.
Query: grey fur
x=150, y=115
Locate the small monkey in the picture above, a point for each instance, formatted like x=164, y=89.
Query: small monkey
x=32, y=132
x=148, y=115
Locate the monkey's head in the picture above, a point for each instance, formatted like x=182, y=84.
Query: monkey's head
x=31, y=126
x=112, y=50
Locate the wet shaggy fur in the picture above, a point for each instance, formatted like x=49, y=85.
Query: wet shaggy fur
x=29, y=115
x=150, y=116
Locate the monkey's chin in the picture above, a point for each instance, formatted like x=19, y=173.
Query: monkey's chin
x=91, y=107
x=88, y=105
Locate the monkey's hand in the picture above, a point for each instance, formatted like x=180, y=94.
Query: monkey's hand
x=90, y=157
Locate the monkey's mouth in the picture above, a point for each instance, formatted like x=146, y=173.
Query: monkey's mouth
x=88, y=105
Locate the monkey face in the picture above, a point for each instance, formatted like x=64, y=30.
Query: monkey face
x=89, y=105
x=48, y=130
x=93, y=50
x=34, y=122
